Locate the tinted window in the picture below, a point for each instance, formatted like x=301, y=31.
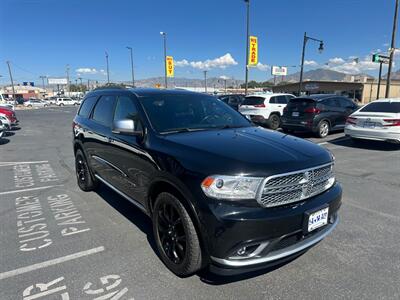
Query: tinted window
x=281, y=99
x=386, y=107
x=345, y=103
x=233, y=100
x=273, y=100
x=125, y=109
x=253, y=100
x=103, y=110
x=168, y=113
x=300, y=103
x=330, y=102
x=86, y=106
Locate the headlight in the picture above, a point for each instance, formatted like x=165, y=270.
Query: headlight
x=231, y=187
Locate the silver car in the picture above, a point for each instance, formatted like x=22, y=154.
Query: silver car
x=35, y=103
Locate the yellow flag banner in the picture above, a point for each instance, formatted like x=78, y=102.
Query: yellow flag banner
x=170, y=66
x=253, y=51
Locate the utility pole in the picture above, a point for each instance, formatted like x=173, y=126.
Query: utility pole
x=43, y=77
x=108, y=69
x=164, y=34
x=12, y=81
x=133, y=75
x=392, y=49
x=205, y=81
x=68, y=85
x=88, y=82
x=379, y=80
x=247, y=45
x=320, y=49
x=80, y=78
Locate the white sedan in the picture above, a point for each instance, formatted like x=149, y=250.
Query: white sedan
x=35, y=103
x=378, y=120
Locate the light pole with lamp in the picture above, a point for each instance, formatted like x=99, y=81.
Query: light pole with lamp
x=133, y=74
x=247, y=45
x=164, y=34
x=320, y=49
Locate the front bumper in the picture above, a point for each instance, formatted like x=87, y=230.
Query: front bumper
x=372, y=134
x=274, y=234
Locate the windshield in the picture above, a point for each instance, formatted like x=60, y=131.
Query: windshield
x=171, y=113
x=383, y=107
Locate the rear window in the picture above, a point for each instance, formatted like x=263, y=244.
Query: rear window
x=252, y=100
x=301, y=102
x=384, y=107
x=86, y=107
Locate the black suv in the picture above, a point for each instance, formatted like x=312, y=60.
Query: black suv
x=319, y=114
x=221, y=192
x=233, y=100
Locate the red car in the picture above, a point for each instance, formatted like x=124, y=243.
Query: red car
x=10, y=114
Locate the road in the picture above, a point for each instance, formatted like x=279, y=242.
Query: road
x=56, y=240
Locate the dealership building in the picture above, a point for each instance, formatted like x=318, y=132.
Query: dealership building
x=363, y=91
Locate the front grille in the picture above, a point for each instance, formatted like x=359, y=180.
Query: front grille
x=289, y=188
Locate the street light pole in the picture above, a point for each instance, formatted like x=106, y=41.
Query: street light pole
x=133, y=74
x=321, y=48
x=392, y=49
x=43, y=77
x=205, y=81
x=247, y=45
x=68, y=85
x=379, y=80
x=164, y=34
x=108, y=69
x=12, y=82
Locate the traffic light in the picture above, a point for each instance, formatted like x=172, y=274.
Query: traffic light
x=375, y=58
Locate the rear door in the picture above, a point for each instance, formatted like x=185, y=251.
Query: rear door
x=281, y=102
x=331, y=110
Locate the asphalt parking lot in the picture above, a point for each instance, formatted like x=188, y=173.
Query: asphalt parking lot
x=56, y=240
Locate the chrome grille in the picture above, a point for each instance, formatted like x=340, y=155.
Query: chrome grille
x=292, y=187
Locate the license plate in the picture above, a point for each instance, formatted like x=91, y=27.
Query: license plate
x=318, y=219
x=295, y=114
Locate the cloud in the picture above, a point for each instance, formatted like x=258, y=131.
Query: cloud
x=263, y=67
x=86, y=71
x=336, y=61
x=223, y=77
x=310, y=63
x=219, y=62
x=364, y=64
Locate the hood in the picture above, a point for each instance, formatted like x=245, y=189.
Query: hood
x=252, y=151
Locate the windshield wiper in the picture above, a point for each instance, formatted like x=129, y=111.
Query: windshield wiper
x=179, y=130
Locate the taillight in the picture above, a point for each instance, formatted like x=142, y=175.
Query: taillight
x=351, y=120
x=312, y=110
x=393, y=122
x=259, y=105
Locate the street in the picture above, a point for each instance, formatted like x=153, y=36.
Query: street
x=97, y=244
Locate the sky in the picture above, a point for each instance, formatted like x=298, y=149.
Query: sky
x=41, y=37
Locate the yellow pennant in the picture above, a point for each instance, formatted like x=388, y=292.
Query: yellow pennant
x=170, y=66
x=253, y=51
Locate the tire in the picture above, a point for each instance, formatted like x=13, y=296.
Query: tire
x=61, y=104
x=274, y=121
x=29, y=105
x=323, y=129
x=84, y=177
x=175, y=236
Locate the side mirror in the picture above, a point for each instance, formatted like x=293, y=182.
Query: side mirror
x=128, y=126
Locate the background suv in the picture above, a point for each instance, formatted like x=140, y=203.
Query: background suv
x=183, y=159
x=319, y=114
x=233, y=100
x=265, y=109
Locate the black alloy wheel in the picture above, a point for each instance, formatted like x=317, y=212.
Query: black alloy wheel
x=83, y=175
x=176, y=236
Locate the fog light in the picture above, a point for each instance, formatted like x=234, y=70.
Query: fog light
x=241, y=251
